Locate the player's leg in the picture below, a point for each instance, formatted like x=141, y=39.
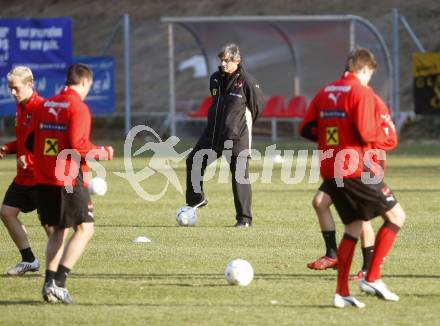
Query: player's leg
x=367, y=247
x=17, y=232
x=346, y=249
x=49, y=211
x=76, y=212
x=386, y=236
x=54, y=253
x=321, y=203
x=55, y=249
x=62, y=261
x=77, y=244
x=48, y=229
x=196, y=162
x=242, y=191
x=345, y=255
x=16, y=229
x=347, y=201
x=19, y=198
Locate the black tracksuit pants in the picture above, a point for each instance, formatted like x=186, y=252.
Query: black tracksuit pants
x=195, y=169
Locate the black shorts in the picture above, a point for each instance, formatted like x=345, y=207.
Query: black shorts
x=324, y=187
x=59, y=208
x=22, y=197
x=359, y=201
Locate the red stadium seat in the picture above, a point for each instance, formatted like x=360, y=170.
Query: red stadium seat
x=203, y=108
x=296, y=108
x=274, y=105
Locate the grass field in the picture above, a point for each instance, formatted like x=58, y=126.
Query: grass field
x=177, y=279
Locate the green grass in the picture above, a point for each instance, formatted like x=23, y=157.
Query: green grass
x=177, y=279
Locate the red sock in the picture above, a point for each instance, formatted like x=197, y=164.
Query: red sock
x=384, y=242
x=345, y=257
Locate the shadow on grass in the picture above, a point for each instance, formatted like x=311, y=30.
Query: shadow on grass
x=23, y=302
x=94, y=304
x=329, y=275
x=18, y=277
x=146, y=226
x=251, y=306
x=216, y=275
x=212, y=276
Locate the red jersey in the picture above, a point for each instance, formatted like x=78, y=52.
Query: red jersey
x=62, y=122
x=342, y=118
x=23, y=117
x=387, y=136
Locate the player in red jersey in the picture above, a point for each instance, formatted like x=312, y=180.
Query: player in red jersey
x=321, y=203
x=21, y=196
x=59, y=137
x=343, y=121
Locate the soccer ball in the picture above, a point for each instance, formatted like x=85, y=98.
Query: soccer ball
x=186, y=216
x=97, y=186
x=239, y=272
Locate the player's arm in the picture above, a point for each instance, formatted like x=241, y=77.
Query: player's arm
x=9, y=148
x=386, y=135
x=308, y=127
x=364, y=116
x=79, y=135
x=254, y=98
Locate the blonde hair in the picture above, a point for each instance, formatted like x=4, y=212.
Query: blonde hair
x=23, y=72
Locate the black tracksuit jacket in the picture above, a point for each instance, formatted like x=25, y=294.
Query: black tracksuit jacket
x=237, y=100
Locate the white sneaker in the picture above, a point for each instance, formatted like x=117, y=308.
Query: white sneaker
x=24, y=267
x=379, y=289
x=349, y=301
x=59, y=293
x=47, y=294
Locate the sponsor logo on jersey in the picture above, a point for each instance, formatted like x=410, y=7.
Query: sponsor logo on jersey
x=334, y=88
x=332, y=114
x=51, y=147
x=331, y=136
x=53, y=126
x=52, y=104
x=214, y=91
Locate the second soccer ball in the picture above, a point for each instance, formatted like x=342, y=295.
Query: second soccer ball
x=239, y=272
x=97, y=186
x=186, y=216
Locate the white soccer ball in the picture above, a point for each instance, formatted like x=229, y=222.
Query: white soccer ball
x=239, y=272
x=186, y=216
x=97, y=186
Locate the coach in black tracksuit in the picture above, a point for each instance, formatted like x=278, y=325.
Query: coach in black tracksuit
x=236, y=103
